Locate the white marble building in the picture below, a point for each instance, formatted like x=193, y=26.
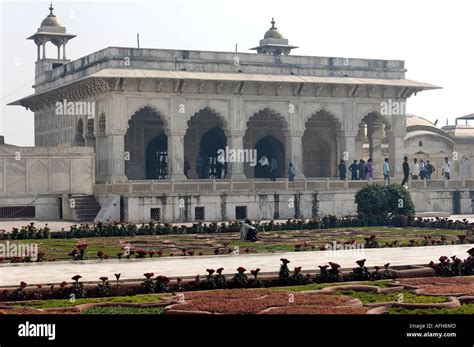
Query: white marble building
x=148, y=113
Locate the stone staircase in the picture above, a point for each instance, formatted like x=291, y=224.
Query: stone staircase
x=85, y=207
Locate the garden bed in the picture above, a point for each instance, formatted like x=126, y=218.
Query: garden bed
x=140, y=246
x=327, y=298
x=258, y=301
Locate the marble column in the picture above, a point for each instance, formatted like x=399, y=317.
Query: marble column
x=396, y=145
x=359, y=143
x=349, y=148
x=235, y=141
x=375, y=143
x=176, y=155
x=101, y=158
x=116, y=157
x=294, y=152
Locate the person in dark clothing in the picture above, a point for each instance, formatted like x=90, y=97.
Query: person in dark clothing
x=406, y=170
x=273, y=169
x=429, y=170
x=248, y=232
x=362, y=169
x=187, y=167
x=206, y=167
x=342, y=170
x=353, y=168
x=200, y=165
x=291, y=172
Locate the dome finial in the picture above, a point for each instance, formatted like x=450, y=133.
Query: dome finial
x=273, y=23
x=51, y=8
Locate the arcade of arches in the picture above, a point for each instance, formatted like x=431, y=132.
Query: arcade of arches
x=322, y=144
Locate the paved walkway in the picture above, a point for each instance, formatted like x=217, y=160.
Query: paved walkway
x=55, y=272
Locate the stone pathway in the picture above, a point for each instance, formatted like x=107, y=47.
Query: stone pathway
x=56, y=272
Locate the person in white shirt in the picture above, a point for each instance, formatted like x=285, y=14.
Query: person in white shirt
x=447, y=168
x=265, y=165
x=386, y=171
x=415, y=169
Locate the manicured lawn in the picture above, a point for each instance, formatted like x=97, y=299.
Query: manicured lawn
x=404, y=295
x=124, y=310
x=276, y=241
x=317, y=286
x=463, y=309
x=66, y=302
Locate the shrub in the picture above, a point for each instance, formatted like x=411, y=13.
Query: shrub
x=328, y=273
x=148, y=284
x=360, y=273
x=297, y=277
x=255, y=282
x=284, y=273
x=104, y=286
x=77, y=288
x=400, y=220
x=240, y=279
x=162, y=284
x=371, y=242
x=19, y=293
x=219, y=278
x=210, y=281
x=384, y=201
x=399, y=200
x=454, y=266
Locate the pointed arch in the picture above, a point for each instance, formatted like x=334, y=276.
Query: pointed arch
x=205, y=135
x=269, y=124
x=320, y=144
x=143, y=127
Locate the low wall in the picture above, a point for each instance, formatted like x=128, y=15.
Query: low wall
x=221, y=199
x=40, y=177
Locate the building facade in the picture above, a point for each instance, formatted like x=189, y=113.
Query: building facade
x=157, y=119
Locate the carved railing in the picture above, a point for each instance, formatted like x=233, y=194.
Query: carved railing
x=157, y=187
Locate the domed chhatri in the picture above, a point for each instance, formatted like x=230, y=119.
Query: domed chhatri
x=273, y=42
x=51, y=20
x=273, y=32
x=51, y=30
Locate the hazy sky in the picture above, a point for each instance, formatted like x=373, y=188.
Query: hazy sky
x=435, y=38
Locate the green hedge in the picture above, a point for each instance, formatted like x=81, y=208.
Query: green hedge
x=153, y=228
x=385, y=201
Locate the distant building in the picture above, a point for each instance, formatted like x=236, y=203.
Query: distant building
x=426, y=141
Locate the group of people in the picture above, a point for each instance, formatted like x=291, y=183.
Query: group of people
x=362, y=170
x=419, y=169
x=423, y=170
x=206, y=167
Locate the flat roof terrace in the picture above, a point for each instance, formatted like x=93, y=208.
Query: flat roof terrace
x=226, y=62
